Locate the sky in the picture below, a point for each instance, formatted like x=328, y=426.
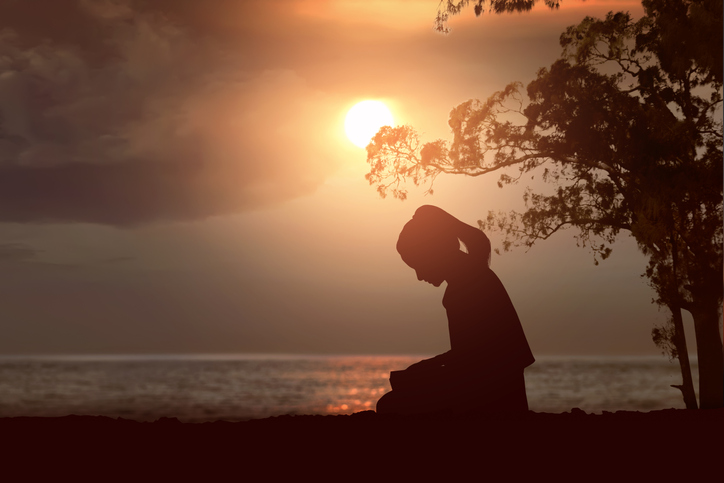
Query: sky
x=176, y=179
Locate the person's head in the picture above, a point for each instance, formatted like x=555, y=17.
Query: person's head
x=428, y=245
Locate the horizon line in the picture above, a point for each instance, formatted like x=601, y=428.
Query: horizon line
x=219, y=356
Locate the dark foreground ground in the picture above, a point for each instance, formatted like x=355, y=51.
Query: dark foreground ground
x=574, y=446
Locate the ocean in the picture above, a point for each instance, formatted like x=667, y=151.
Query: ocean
x=202, y=388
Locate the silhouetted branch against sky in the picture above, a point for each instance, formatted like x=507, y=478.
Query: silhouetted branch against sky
x=446, y=8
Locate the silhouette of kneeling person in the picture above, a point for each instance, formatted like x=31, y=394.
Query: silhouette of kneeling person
x=483, y=370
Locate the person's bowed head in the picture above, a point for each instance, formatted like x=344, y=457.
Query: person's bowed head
x=430, y=244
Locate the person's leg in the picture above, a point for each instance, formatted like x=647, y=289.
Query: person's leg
x=417, y=402
x=497, y=393
x=390, y=403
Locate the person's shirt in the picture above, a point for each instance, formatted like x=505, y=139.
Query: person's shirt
x=485, y=330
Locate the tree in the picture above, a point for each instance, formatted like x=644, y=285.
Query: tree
x=626, y=127
x=449, y=7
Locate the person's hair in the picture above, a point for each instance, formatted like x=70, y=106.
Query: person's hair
x=484, y=247
x=421, y=239
x=433, y=233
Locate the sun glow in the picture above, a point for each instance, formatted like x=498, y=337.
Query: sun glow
x=364, y=120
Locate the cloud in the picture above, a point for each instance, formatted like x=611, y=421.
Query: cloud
x=120, y=116
x=16, y=252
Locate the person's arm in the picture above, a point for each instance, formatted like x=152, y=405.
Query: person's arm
x=420, y=374
x=433, y=362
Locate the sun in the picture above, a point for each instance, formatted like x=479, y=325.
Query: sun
x=364, y=120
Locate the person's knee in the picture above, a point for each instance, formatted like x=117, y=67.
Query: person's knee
x=386, y=404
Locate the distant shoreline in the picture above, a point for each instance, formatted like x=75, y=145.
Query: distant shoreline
x=285, y=356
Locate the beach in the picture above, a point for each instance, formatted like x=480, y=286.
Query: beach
x=365, y=446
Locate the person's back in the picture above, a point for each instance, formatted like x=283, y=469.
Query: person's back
x=483, y=324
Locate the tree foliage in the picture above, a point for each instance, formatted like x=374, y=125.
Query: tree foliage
x=450, y=7
x=626, y=129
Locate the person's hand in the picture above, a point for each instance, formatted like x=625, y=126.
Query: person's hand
x=429, y=364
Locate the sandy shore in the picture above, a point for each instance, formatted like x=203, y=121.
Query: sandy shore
x=573, y=446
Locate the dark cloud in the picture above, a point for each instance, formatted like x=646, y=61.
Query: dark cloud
x=124, y=112
x=121, y=259
x=124, y=193
x=16, y=252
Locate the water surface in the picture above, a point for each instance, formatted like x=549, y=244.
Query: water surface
x=239, y=387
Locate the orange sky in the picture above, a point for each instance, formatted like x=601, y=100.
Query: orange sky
x=177, y=179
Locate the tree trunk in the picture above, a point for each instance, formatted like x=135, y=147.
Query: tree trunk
x=711, y=356
x=682, y=353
